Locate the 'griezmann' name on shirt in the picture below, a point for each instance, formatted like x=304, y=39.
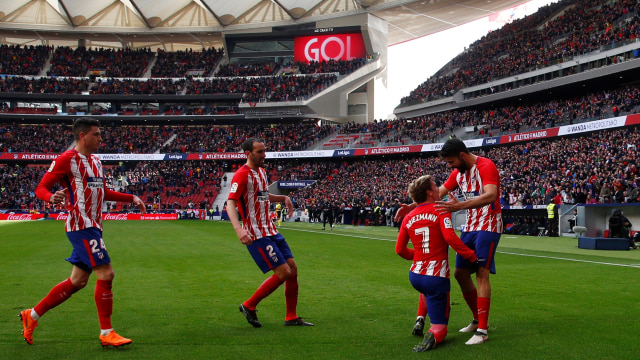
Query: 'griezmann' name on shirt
x=418, y=217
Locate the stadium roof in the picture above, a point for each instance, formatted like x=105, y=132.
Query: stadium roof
x=179, y=24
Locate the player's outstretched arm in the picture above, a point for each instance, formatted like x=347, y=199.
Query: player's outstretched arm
x=403, y=211
x=110, y=195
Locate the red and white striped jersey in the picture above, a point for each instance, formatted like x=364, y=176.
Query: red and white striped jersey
x=82, y=176
x=430, y=234
x=471, y=184
x=249, y=188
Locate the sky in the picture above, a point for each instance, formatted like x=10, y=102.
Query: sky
x=411, y=63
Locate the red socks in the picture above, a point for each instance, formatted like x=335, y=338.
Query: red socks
x=268, y=286
x=439, y=332
x=471, y=297
x=483, y=312
x=104, y=302
x=64, y=290
x=291, y=296
x=59, y=294
x=422, y=306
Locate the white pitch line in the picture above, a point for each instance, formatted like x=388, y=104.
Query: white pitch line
x=637, y=266
x=576, y=260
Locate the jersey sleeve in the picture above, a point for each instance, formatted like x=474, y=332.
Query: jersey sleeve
x=58, y=169
x=450, y=236
x=238, y=186
x=403, y=241
x=452, y=183
x=489, y=173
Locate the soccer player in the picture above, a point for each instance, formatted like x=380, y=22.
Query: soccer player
x=79, y=172
x=430, y=233
x=478, y=180
x=249, y=193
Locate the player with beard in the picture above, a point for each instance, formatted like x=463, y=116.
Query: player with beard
x=249, y=193
x=478, y=181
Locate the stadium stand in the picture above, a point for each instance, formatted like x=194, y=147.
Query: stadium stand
x=26, y=60
x=556, y=33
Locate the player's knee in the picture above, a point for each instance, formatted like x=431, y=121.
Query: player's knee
x=283, y=272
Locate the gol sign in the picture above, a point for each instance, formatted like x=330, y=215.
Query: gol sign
x=328, y=47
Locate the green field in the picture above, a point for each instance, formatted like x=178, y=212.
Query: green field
x=179, y=283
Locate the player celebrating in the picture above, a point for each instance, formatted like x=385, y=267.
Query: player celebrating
x=249, y=193
x=80, y=173
x=478, y=180
x=430, y=231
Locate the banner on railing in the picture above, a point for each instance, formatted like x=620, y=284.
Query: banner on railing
x=64, y=216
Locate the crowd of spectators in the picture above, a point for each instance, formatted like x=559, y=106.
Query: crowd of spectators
x=343, y=67
x=143, y=139
x=69, y=74
x=115, y=63
x=166, y=185
x=269, y=88
x=598, y=167
x=557, y=31
x=162, y=185
x=45, y=138
x=241, y=70
x=134, y=139
x=25, y=60
x=18, y=184
x=182, y=63
x=420, y=129
x=43, y=85
x=106, y=86
x=282, y=137
x=505, y=119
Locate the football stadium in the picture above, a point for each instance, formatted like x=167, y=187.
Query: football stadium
x=546, y=91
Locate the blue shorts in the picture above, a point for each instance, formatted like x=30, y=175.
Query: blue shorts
x=88, y=249
x=436, y=289
x=270, y=252
x=484, y=243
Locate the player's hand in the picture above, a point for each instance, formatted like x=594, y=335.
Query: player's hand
x=137, y=202
x=450, y=206
x=403, y=211
x=58, y=197
x=474, y=267
x=289, y=204
x=243, y=235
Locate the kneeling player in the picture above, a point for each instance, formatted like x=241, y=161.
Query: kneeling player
x=430, y=232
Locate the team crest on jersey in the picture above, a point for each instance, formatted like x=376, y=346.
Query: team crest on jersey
x=447, y=223
x=53, y=164
x=234, y=188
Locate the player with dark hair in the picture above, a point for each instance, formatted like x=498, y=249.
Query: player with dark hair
x=80, y=174
x=249, y=193
x=430, y=233
x=478, y=181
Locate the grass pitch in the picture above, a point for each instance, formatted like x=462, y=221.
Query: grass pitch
x=179, y=283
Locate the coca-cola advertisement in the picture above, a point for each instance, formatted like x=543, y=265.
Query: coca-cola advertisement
x=65, y=216
x=23, y=217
